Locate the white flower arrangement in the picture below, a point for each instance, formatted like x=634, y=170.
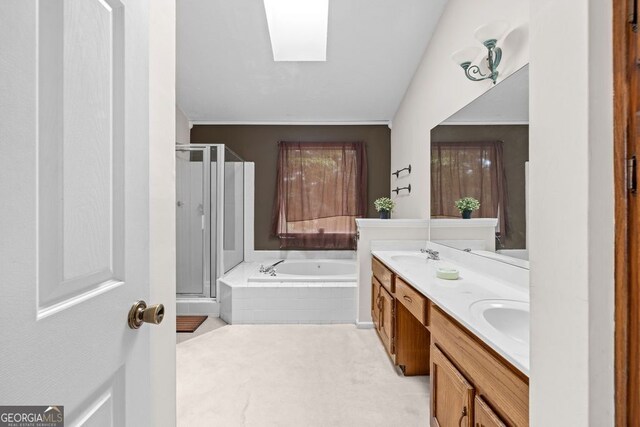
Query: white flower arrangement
x=384, y=204
x=467, y=204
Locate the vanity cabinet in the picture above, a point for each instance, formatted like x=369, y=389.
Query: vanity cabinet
x=503, y=389
x=399, y=315
x=451, y=394
x=471, y=384
x=454, y=401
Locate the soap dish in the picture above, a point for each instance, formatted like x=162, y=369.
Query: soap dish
x=447, y=273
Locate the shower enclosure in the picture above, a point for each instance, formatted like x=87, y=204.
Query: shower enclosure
x=210, y=213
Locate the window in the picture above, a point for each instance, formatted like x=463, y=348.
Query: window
x=474, y=169
x=321, y=189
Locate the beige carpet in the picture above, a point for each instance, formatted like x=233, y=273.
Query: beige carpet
x=294, y=375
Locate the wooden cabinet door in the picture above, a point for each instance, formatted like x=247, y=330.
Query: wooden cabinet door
x=484, y=415
x=375, y=303
x=451, y=394
x=387, y=319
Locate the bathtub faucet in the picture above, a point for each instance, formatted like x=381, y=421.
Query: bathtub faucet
x=271, y=269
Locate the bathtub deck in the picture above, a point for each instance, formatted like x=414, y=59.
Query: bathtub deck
x=243, y=302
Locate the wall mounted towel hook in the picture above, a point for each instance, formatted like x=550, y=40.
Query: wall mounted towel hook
x=397, y=173
x=399, y=189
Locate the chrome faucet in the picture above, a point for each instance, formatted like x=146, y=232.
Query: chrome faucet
x=271, y=269
x=431, y=254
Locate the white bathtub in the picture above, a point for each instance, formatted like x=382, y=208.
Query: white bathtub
x=316, y=270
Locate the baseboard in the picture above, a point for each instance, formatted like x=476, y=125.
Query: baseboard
x=197, y=306
x=364, y=325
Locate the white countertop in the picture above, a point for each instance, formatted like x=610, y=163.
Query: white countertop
x=456, y=296
x=391, y=223
x=460, y=223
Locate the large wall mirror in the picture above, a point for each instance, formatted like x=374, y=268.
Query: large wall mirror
x=482, y=151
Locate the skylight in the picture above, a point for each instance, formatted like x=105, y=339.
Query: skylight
x=298, y=29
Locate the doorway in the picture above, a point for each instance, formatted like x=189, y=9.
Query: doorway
x=627, y=207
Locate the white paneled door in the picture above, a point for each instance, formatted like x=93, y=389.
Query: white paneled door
x=74, y=209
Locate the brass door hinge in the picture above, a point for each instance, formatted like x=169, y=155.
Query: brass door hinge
x=632, y=178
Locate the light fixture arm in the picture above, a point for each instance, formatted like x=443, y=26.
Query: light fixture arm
x=494, y=56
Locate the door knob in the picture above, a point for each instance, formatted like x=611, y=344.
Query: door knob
x=140, y=314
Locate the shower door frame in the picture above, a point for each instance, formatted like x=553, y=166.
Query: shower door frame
x=209, y=290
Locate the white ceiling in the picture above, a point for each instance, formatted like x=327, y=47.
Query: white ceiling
x=506, y=102
x=226, y=71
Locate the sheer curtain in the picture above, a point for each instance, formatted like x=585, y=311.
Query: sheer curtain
x=469, y=169
x=321, y=189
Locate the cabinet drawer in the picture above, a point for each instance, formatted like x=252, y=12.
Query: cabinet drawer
x=414, y=301
x=499, y=383
x=384, y=275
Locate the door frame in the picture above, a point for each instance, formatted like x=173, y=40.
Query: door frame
x=627, y=294
x=162, y=207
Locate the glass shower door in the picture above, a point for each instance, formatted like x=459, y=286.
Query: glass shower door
x=210, y=216
x=191, y=211
x=233, y=228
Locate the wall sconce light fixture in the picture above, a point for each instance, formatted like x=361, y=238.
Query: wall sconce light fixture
x=488, y=35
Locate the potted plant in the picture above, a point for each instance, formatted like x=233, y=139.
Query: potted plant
x=466, y=205
x=384, y=206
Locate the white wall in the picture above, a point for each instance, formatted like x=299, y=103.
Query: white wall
x=162, y=204
x=571, y=215
x=439, y=89
x=183, y=127
x=571, y=186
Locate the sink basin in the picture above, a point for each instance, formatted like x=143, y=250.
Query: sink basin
x=509, y=317
x=410, y=259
